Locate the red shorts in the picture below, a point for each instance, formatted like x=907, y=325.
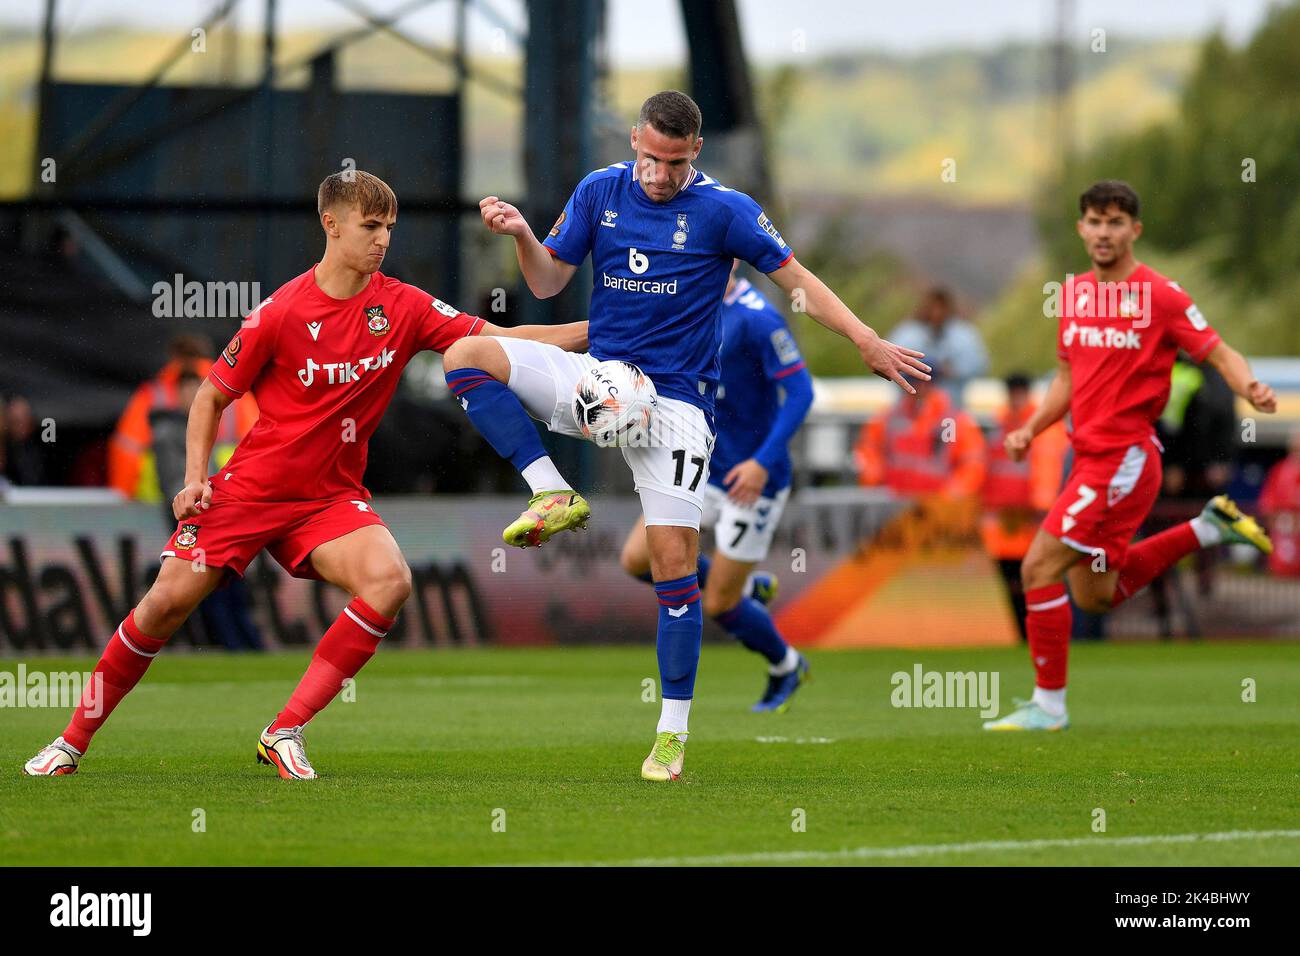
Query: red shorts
x=1106, y=499
x=230, y=533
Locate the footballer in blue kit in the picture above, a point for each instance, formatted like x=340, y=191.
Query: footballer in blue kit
x=763, y=398
x=662, y=236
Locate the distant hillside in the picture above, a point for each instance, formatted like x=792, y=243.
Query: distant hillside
x=862, y=125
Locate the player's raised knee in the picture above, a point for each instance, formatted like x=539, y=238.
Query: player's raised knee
x=476, y=352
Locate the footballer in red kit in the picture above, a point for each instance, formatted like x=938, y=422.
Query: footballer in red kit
x=1121, y=326
x=322, y=355
x=325, y=370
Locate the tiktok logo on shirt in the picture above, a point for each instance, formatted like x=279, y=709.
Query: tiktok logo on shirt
x=340, y=373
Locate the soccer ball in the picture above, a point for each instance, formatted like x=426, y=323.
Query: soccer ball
x=614, y=404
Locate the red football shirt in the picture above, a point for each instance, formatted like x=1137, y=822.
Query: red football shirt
x=1121, y=340
x=323, y=371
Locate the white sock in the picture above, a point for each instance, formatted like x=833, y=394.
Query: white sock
x=674, y=715
x=788, y=663
x=1052, y=701
x=1207, y=532
x=542, y=475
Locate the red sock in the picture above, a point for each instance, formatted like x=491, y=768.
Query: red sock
x=124, y=661
x=1149, y=559
x=1048, y=623
x=351, y=641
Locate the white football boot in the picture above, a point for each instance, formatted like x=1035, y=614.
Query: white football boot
x=283, y=749
x=56, y=760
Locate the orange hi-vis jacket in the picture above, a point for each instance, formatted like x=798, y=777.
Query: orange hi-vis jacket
x=1016, y=494
x=130, y=451
x=922, y=447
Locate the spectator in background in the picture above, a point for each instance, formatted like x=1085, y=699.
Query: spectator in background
x=22, y=459
x=952, y=346
x=1279, y=504
x=1198, y=429
x=225, y=612
x=131, y=468
x=1018, y=494
x=922, y=445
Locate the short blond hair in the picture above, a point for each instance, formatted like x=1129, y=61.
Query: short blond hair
x=353, y=187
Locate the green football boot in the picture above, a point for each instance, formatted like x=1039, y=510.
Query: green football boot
x=1237, y=528
x=666, y=757
x=548, y=513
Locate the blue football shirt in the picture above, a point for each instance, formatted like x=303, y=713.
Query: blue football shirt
x=660, y=271
x=758, y=355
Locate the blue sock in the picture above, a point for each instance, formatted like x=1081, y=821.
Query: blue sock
x=749, y=623
x=681, y=629
x=498, y=416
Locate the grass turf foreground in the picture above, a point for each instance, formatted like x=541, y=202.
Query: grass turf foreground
x=437, y=744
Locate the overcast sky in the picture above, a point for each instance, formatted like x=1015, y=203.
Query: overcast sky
x=649, y=31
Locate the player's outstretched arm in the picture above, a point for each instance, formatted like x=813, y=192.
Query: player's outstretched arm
x=811, y=295
x=200, y=436
x=545, y=274
x=1055, y=404
x=572, y=336
x=1234, y=368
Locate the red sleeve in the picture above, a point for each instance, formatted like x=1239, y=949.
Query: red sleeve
x=1061, y=352
x=248, y=353
x=1186, y=325
x=440, y=324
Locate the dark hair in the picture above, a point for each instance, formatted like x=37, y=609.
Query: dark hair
x=1110, y=192
x=673, y=114
x=940, y=294
x=186, y=347
x=353, y=187
x=1017, y=380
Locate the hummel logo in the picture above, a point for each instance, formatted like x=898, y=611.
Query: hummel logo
x=677, y=611
x=464, y=403
x=314, y=329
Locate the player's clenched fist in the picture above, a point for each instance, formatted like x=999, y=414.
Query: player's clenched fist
x=501, y=217
x=1017, y=443
x=1262, y=398
x=193, y=499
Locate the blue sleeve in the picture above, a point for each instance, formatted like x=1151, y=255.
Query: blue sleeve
x=752, y=237
x=571, y=237
x=783, y=366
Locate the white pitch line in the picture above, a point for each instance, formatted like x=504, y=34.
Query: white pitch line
x=937, y=849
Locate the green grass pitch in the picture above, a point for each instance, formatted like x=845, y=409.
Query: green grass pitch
x=436, y=744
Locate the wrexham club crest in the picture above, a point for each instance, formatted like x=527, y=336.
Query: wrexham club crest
x=188, y=537
x=376, y=321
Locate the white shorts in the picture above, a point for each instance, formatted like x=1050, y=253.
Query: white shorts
x=743, y=532
x=671, y=472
